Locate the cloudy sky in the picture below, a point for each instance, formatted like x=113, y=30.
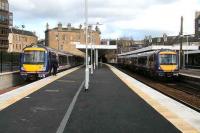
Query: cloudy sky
x=120, y=18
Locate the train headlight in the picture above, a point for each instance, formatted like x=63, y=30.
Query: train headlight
x=22, y=68
x=43, y=68
x=177, y=67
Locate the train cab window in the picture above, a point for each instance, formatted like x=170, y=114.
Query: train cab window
x=168, y=59
x=34, y=57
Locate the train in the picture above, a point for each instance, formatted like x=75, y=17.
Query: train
x=36, y=61
x=159, y=63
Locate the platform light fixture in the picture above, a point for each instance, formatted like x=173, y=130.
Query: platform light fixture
x=93, y=51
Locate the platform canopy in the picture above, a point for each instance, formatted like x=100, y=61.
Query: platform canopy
x=158, y=47
x=104, y=47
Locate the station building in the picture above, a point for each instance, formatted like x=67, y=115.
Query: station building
x=66, y=38
x=197, y=24
x=19, y=39
x=123, y=45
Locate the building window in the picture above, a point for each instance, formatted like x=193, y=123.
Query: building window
x=71, y=38
x=4, y=6
x=57, y=37
x=7, y=6
x=63, y=37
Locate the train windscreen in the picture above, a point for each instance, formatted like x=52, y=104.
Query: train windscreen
x=167, y=59
x=34, y=57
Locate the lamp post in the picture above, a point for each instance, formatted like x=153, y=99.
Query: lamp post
x=181, y=45
x=22, y=45
x=187, y=37
x=57, y=38
x=187, y=51
x=94, y=53
x=164, y=38
x=86, y=50
x=91, y=51
x=150, y=40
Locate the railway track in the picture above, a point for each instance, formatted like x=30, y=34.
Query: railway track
x=177, y=90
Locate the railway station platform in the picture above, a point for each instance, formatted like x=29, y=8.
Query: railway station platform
x=115, y=103
x=191, y=76
x=191, y=72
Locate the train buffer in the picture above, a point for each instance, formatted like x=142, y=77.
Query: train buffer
x=115, y=103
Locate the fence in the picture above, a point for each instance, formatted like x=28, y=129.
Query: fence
x=9, y=61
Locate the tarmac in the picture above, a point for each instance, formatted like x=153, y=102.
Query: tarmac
x=62, y=105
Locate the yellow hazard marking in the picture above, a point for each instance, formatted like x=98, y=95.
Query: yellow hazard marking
x=34, y=87
x=179, y=123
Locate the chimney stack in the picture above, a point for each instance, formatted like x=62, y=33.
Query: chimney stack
x=59, y=26
x=69, y=26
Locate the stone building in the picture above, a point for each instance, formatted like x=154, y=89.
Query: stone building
x=66, y=38
x=126, y=45
x=18, y=39
x=4, y=24
x=197, y=24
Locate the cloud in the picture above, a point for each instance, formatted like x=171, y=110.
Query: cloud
x=118, y=17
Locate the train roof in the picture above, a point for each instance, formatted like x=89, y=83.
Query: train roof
x=148, y=53
x=160, y=47
x=48, y=49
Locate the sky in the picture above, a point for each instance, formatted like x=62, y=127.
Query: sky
x=119, y=18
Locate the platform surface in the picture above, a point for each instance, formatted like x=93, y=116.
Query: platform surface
x=191, y=73
x=109, y=106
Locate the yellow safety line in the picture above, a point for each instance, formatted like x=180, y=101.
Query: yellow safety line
x=179, y=123
x=37, y=86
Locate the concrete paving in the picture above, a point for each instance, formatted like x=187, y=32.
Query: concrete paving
x=195, y=73
x=109, y=107
x=180, y=115
x=42, y=111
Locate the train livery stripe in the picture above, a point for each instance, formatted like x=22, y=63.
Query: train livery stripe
x=33, y=49
x=179, y=123
x=167, y=52
x=33, y=68
x=168, y=68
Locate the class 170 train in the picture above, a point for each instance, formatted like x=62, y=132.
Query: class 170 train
x=36, y=61
x=159, y=63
